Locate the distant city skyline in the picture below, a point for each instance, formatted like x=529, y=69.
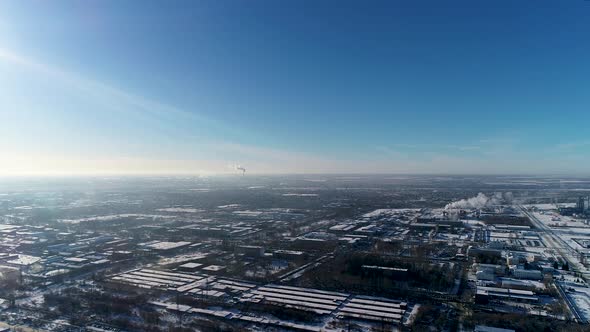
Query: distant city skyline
x=449, y=87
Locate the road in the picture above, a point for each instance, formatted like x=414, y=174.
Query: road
x=573, y=308
x=302, y=269
x=555, y=242
x=568, y=253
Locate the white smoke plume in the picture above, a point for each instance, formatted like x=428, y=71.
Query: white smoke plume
x=481, y=201
x=240, y=168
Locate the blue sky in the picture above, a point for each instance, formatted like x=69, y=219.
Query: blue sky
x=451, y=86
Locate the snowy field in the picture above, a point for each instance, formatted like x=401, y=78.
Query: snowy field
x=550, y=206
x=570, y=230
x=580, y=296
x=180, y=210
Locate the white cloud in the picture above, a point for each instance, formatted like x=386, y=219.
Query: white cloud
x=115, y=98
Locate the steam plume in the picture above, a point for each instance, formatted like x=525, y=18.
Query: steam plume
x=481, y=200
x=240, y=168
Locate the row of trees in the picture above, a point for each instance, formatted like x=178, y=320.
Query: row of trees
x=421, y=274
x=565, y=266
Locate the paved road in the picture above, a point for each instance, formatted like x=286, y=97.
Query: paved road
x=302, y=269
x=555, y=242
x=573, y=308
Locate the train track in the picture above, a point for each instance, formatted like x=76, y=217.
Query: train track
x=567, y=253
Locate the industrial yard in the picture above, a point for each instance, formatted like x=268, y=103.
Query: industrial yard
x=337, y=256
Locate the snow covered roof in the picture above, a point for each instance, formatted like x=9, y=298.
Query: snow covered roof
x=24, y=260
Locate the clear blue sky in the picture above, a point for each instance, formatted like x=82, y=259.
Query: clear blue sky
x=436, y=86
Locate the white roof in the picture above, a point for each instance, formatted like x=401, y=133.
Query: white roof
x=25, y=260
x=164, y=245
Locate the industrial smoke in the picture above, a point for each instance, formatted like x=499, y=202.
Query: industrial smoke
x=240, y=168
x=481, y=201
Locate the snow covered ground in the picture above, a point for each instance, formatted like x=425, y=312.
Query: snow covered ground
x=511, y=283
x=550, y=206
x=567, y=228
x=114, y=217
x=580, y=296
x=248, y=213
x=180, y=210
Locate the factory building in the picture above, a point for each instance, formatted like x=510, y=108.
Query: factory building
x=583, y=204
x=521, y=273
x=250, y=251
x=582, y=207
x=8, y=274
x=484, y=294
